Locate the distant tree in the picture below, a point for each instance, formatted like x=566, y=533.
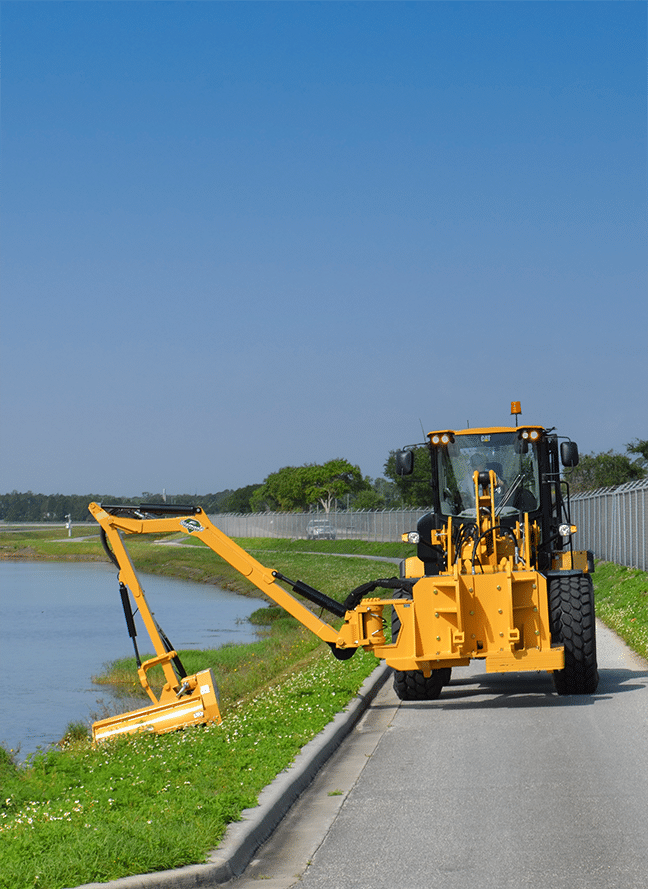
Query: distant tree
x=376, y=494
x=24, y=507
x=603, y=470
x=29, y=507
x=388, y=492
x=332, y=481
x=283, y=490
x=239, y=500
x=213, y=503
x=300, y=487
x=640, y=447
x=368, y=498
x=414, y=489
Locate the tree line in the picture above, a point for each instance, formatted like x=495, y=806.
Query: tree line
x=609, y=469
x=29, y=507
x=335, y=484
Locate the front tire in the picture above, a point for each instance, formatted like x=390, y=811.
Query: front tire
x=571, y=614
x=412, y=685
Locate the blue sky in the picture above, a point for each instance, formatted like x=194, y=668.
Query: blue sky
x=240, y=236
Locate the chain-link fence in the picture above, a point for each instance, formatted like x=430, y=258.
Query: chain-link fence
x=612, y=523
x=383, y=525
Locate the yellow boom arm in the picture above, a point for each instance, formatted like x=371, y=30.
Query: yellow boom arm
x=194, y=522
x=188, y=699
x=499, y=614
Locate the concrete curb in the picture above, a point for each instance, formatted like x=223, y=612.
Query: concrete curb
x=243, y=838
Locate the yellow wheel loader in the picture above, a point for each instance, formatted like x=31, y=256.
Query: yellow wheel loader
x=494, y=578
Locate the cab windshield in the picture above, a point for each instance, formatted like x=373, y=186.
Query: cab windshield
x=517, y=485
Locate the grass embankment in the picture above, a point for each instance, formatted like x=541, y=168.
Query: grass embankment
x=75, y=814
x=191, y=560
x=51, y=544
x=621, y=596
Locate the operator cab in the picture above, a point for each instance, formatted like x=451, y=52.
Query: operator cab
x=524, y=463
x=513, y=459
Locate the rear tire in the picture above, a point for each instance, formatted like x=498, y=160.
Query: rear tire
x=412, y=685
x=571, y=614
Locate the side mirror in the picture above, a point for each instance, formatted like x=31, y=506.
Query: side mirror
x=404, y=462
x=569, y=453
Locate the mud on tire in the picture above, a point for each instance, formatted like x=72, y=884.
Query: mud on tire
x=571, y=615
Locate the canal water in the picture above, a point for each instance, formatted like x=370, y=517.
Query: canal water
x=61, y=622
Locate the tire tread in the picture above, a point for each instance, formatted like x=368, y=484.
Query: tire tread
x=571, y=611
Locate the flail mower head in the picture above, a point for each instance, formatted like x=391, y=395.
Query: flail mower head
x=196, y=705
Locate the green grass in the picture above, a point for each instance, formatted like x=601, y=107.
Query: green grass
x=343, y=547
x=192, y=560
x=52, y=544
x=621, y=597
x=76, y=814
x=240, y=670
x=80, y=814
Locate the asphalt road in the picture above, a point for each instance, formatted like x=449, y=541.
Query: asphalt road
x=500, y=783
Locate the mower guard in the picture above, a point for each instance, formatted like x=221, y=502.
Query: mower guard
x=192, y=709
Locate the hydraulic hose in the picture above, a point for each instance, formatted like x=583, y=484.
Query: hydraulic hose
x=106, y=546
x=128, y=614
x=493, y=530
x=392, y=583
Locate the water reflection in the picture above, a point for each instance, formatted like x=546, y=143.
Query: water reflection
x=61, y=622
